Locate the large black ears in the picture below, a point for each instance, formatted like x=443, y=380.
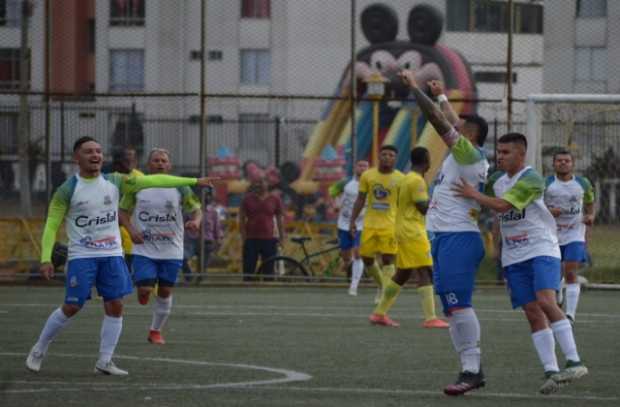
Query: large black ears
x=424, y=25
x=379, y=23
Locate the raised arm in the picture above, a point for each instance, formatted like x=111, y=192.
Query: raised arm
x=437, y=90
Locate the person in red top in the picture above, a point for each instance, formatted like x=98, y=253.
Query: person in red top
x=259, y=208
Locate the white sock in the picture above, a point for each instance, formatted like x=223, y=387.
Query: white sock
x=111, y=329
x=465, y=334
x=572, y=298
x=545, y=347
x=357, y=269
x=559, y=296
x=563, y=332
x=161, y=311
x=56, y=322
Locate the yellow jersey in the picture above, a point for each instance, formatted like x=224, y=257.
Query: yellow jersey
x=409, y=220
x=381, y=198
x=125, y=238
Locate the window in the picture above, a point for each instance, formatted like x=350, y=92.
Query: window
x=10, y=13
x=591, y=64
x=127, y=12
x=127, y=70
x=591, y=8
x=255, y=8
x=494, y=77
x=8, y=132
x=492, y=16
x=9, y=68
x=255, y=67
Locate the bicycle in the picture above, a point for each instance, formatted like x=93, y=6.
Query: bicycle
x=287, y=268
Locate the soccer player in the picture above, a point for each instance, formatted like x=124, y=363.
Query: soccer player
x=452, y=222
x=349, y=245
x=88, y=204
x=414, y=249
x=530, y=256
x=570, y=200
x=156, y=229
x=378, y=190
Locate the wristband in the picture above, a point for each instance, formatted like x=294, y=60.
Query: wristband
x=442, y=98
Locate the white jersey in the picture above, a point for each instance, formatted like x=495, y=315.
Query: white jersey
x=448, y=212
x=347, y=201
x=570, y=197
x=528, y=230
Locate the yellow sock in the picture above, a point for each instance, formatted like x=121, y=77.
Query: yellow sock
x=388, y=271
x=374, y=272
x=390, y=293
x=428, y=302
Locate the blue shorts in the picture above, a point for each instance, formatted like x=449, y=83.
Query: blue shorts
x=147, y=271
x=456, y=258
x=574, y=252
x=528, y=277
x=346, y=242
x=108, y=274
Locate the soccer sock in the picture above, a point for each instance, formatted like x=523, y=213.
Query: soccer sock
x=161, y=311
x=563, y=332
x=375, y=273
x=427, y=296
x=572, y=298
x=390, y=292
x=545, y=347
x=56, y=322
x=110, y=332
x=388, y=271
x=357, y=269
x=465, y=335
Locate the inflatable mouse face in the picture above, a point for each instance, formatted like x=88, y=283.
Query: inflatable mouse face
x=387, y=55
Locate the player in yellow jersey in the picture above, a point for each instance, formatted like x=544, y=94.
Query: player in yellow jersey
x=378, y=189
x=414, y=248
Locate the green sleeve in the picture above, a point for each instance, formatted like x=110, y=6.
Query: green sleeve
x=465, y=153
x=488, y=189
x=59, y=206
x=137, y=183
x=337, y=188
x=128, y=201
x=588, y=191
x=528, y=188
x=189, y=200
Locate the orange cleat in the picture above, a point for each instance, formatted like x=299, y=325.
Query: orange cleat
x=383, y=320
x=435, y=323
x=156, y=338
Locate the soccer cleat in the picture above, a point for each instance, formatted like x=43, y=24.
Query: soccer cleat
x=156, y=338
x=109, y=368
x=467, y=381
x=551, y=384
x=34, y=360
x=573, y=371
x=383, y=320
x=435, y=323
x=353, y=292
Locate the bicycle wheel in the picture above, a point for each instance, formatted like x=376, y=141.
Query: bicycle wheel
x=283, y=268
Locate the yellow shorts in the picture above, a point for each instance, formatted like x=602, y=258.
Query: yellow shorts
x=375, y=242
x=413, y=252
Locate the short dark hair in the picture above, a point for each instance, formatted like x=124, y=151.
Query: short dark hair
x=78, y=143
x=389, y=147
x=483, y=127
x=562, y=151
x=517, y=138
x=420, y=156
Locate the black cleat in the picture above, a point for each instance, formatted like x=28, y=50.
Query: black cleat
x=466, y=382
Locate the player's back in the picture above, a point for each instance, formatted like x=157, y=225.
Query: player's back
x=381, y=198
x=409, y=220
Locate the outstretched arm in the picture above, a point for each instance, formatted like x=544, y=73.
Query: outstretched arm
x=431, y=111
x=137, y=183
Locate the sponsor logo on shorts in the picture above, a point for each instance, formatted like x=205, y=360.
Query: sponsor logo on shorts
x=72, y=299
x=73, y=282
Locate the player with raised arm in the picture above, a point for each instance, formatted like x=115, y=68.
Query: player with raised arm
x=414, y=249
x=570, y=200
x=530, y=256
x=156, y=229
x=88, y=204
x=378, y=191
x=456, y=244
x=346, y=192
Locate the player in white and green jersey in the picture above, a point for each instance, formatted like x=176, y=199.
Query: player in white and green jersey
x=452, y=223
x=156, y=229
x=570, y=199
x=88, y=204
x=530, y=256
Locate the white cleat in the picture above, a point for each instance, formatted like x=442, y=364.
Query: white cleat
x=109, y=368
x=34, y=360
x=551, y=384
x=353, y=292
x=573, y=371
